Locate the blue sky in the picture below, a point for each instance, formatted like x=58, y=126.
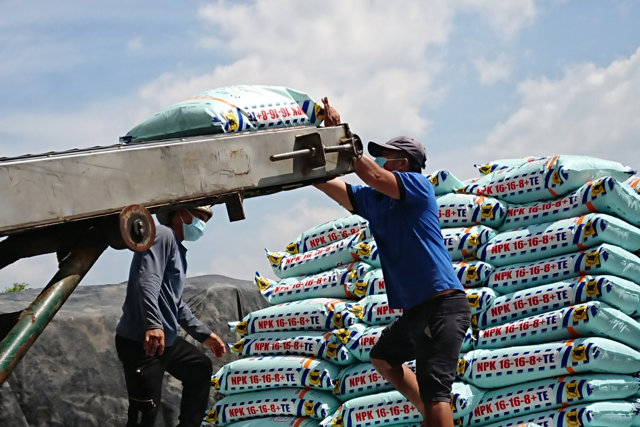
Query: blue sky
x=474, y=80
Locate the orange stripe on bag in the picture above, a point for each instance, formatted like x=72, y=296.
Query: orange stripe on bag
x=591, y=207
x=553, y=160
x=304, y=392
x=573, y=332
x=570, y=370
x=307, y=362
x=300, y=421
x=553, y=193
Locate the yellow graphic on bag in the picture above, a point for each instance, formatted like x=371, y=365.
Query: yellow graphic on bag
x=262, y=283
x=364, y=250
x=556, y=179
x=233, y=121
x=336, y=386
x=332, y=350
x=242, y=327
x=474, y=300
x=579, y=354
x=433, y=179
x=343, y=335
x=319, y=112
x=472, y=273
x=309, y=408
x=592, y=259
x=597, y=188
x=462, y=366
x=474, y=320
x=314, y=378
x=592, y=288
x=238, y=347
x=338, y=421
x=589, y=229
x=353, y=274
x=358, y=310
x=337, y=320
x=275, y=259
x=573, y=390
x=474, y=239
x=215, y=383
x=580, y=314
x=486, y=212
x=361, y=289
x=485, y=169
x=212, y=416
x=292, y=248
x=573, y=418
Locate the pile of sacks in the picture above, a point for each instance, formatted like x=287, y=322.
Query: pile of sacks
x=547, y=251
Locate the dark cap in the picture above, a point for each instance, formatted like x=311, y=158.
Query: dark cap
x=164, y=216
x=409, y=145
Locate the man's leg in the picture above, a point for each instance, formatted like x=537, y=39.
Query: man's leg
x=143, y=375
x=403, y=379
x=194, y=369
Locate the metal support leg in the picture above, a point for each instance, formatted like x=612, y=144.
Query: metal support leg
x=35, y=318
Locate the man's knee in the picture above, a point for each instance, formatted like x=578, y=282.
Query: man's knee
x=142, y=412
x=383, y=366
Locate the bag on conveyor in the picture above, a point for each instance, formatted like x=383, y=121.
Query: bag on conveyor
x=555, y=238
x=513, y=365
x=621, y=294
x=325, y=234
x=296, y=402
x=331, y=346
x=605, y=195
x=335, y=283
x=551, y=393
x=268, y=372
x=496, y=165
x=463, y=242
x=582, y=320
x=314, y=314
x=465, y=210
x=230, y=109
x=546, y=178
x=603, y=259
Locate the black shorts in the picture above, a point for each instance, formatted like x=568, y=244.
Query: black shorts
x=432, y=334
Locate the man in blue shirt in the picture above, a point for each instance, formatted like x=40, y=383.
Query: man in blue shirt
x=400, y=205
x=147, y=338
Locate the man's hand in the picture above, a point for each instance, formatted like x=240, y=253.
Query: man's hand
x=331, y=115
x=215, y=344
x=154, y=342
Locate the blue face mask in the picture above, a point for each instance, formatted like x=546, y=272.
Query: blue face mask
x=381, y=161
x=195, y=230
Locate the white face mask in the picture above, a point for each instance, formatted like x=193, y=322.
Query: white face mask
x=195, y=230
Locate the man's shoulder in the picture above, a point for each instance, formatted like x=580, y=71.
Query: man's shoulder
x=164, y=234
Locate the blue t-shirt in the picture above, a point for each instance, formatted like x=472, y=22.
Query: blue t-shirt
x=154, y=292
x=415, y=262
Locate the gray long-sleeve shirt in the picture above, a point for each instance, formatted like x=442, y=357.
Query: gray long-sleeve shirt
x=154, y=292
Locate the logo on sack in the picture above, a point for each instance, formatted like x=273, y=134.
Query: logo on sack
x=474, y=300
x=242, y=327
x=592, y=288
x=212, y=416
x=364, y=250
x=573, y=418
x=580, y=314
x=337, y=421
x=275, y=259
x=361, y=289
x=343, y=335
x=263, y=284
x=332, y=350
x=556, y=179
x=309, y=408
x=319, y=112
x=474, y=239
x=592, y=259
x=485, y=169
x=232, y=121
x=357, y=310
x=462, y=366
x=486, y=212
x=338, y=320
x=336, y=386
x=215, y=383
x=589, y=229
x=598, y=188
x=572, y=390
x=579, y=354
x=472, y=273
x=433, y=179
x=314, y=378
x=292, y=248
x=238, y=347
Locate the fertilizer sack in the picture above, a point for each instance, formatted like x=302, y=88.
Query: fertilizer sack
x=634, y=182
x=550, y=239
x=268, y=372
x=325, y=234
x=472, y=273
x=605, y=195
x=496, y=165
x=230, y=109
x=329, y=345
x=362, y=339
x=582, y=320
x=546, y=178
x=621, y=294
x=548, y=394
x=287, y=401
x=444, y=182
x=463, y=242
x=335, y=283
x=374, y=310
x=603, y=259
x=465, y=210
x=480, y=300
x=371, y=284
x=513, y=365
x=275, y=422
x=612, y=413
x=361, y=379
x=315, y=314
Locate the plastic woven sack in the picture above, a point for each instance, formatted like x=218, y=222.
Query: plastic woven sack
x=582, y=320
x=472, y=273
x=375, y=310
x=551, y=393
x=564, y=236
x=618, y=293
x=605, y=195
x=614, y=413
x=230, y=109
x=337, y=254
x=547, y=178
x=361, y=379
x=444, y=182
x=464, y=210
x=496, y=165
x=480, y=299
x=275, y=422
x=325, y=234
x=362, y=340
x=634, y=182
x=286, y=401
x=314, y=314
x=604, y=259
x=463, y=242
x=329, y=346
x=513, y=365
x=335, y=283
x=371, y=284
x=268, y=372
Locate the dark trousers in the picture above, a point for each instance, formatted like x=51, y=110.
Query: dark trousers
x=143, y=375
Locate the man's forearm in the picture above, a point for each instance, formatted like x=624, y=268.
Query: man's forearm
x=337, y=190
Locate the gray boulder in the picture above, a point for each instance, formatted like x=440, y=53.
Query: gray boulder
x=71, y=376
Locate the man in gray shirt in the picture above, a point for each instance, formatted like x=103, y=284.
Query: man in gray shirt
x=147, y=338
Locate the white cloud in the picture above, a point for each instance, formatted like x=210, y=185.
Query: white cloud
x=506, y=17
x=491, y=72
x=590, y=110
